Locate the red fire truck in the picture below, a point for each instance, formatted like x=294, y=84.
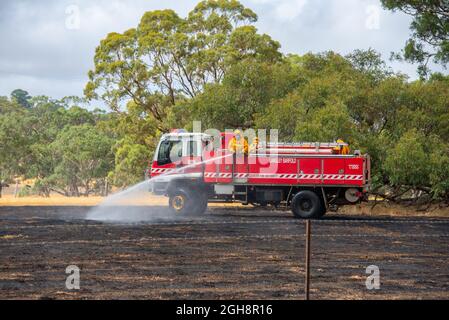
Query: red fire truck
x=193, y=169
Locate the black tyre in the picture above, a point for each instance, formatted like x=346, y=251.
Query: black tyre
x=307, y=205
x=182, y=202
x=200, y=204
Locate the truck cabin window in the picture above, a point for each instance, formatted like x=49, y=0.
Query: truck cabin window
x=170, y=151
x=192, y=149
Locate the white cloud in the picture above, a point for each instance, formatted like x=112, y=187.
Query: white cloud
x=42, y=55
x=285, y=9
x=290, y=9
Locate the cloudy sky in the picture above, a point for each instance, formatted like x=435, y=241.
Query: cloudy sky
x=48, y=45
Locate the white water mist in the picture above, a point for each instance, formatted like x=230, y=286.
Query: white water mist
x=135, y=204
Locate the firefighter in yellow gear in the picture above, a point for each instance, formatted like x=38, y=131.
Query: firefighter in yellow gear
x=238, y=143
x=342, y=148
x=254, y=145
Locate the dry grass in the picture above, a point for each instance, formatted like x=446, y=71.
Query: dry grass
x=10, y=200
x=58, y=200
x=391, y=209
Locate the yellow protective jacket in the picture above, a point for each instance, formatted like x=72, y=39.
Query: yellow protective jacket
x=342, y=149
x=345, y=150
x=238, y=146
x=254, y=145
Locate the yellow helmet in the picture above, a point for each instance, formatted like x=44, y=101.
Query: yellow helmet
x=340, y=141
x=237, y=133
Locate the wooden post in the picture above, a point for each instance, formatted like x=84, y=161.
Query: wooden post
x=106, y=187
x=16, y=190
x=307, y=280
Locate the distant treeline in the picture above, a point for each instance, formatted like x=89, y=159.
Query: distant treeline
x=65, y=148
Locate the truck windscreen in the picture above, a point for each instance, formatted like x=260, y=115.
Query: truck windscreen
x=169, y=151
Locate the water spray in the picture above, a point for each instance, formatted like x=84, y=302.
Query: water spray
x=134, y=204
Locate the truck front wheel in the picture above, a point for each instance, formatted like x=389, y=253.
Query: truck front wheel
x=200, y=205
x=182, y=202
x=179, y=202
x=307, y=205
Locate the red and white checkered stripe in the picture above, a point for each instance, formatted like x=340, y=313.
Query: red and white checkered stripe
x=309, y=176
x=160, y=170
x=270, y=176
x=334, y=176
x=288, y=176
x=284, y=176
x=354, y=177
x=209, y=175
x=218, y=175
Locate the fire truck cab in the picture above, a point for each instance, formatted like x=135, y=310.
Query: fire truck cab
x=193, y=169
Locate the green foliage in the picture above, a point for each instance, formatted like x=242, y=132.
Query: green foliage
x=370, y=63
x=7, y=106
x=167, y=59
x=83, y=157
x=430, y=31
x=326, y=124
x=131, y=161
x=283, y=114
x=246, y=90
x=420, y=162
x=359, y=100
x=14, y=133
x=317, y=81
x=65, y=148
x=407, y=162
x=21, y=97
x=439, y=172
x=25, y=191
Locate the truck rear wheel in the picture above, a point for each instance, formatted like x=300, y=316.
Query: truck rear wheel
x=307, y=205
x=182, y=202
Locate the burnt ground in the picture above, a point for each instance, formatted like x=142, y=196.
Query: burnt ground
x=231, y=253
